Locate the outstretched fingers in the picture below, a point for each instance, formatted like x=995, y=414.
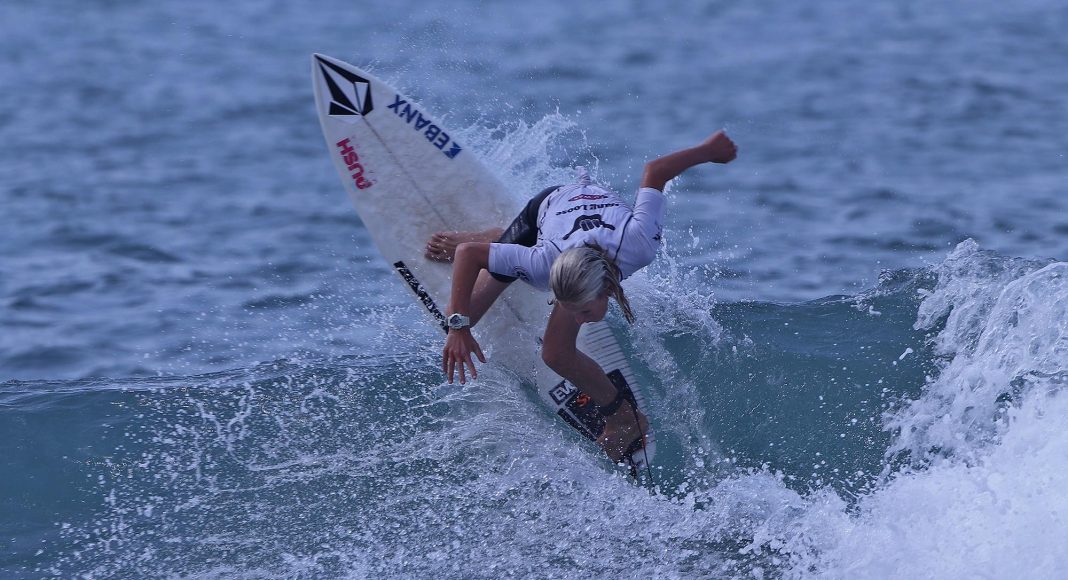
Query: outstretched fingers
x=464, y=362
x=456, y=357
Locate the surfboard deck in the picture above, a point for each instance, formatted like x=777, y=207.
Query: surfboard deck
x=409, y=177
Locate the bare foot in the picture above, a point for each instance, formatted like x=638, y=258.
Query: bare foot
x=719, y=148
x=621, y=430
x=442, y=245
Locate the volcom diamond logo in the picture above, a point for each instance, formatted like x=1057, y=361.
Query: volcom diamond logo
x=350, y=94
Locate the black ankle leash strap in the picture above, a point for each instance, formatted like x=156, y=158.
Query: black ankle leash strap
x=638, y=444
x=611, y=408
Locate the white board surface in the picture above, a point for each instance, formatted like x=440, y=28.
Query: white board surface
x=409, y=177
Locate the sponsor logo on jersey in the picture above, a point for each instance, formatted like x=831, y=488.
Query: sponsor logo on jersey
x=352, y=162
x=350, y=94
x=418, y=122
x=587, y=223
x=586, y=207
x=588, y=196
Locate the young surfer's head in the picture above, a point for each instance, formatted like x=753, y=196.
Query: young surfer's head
x=582, y=279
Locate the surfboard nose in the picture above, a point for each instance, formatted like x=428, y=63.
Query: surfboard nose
x=318, y=59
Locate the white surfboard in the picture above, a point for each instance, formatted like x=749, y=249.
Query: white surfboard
x=409, y=177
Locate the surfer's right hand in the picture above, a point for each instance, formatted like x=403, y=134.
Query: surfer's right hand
x=457, y=353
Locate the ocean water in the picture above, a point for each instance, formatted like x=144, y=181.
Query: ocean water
x=855, y=337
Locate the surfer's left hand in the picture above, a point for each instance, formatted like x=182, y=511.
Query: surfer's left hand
x=719, y=148
x=457, y=354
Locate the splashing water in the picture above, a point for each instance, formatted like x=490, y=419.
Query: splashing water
x=913, y=429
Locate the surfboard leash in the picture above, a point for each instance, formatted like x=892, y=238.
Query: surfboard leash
x=648, y=467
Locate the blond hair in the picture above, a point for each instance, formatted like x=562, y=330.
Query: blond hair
x=585, y=273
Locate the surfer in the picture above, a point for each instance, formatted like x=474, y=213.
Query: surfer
x=578, y=241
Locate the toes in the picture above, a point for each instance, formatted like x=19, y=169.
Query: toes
x=434, y=254
x=437, y=254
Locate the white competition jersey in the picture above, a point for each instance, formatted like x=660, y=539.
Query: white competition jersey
x=585, y=213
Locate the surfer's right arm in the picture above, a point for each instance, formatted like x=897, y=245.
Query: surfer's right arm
x=471, y=258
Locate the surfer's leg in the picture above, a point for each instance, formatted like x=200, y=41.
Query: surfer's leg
x=560, y=353
x=524, y=228
x=442, y=245
x=523, y=231
x=718, y=148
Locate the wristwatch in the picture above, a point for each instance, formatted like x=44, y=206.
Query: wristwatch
x=457, y=321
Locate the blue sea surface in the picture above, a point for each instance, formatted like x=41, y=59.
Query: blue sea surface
x=855, y=337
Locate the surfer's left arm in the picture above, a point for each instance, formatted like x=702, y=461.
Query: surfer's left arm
x=471, y=258
x=718, y=148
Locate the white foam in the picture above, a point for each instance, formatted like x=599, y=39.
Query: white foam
x=1003, y=516
x=988, y=496
x=1005, y=330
